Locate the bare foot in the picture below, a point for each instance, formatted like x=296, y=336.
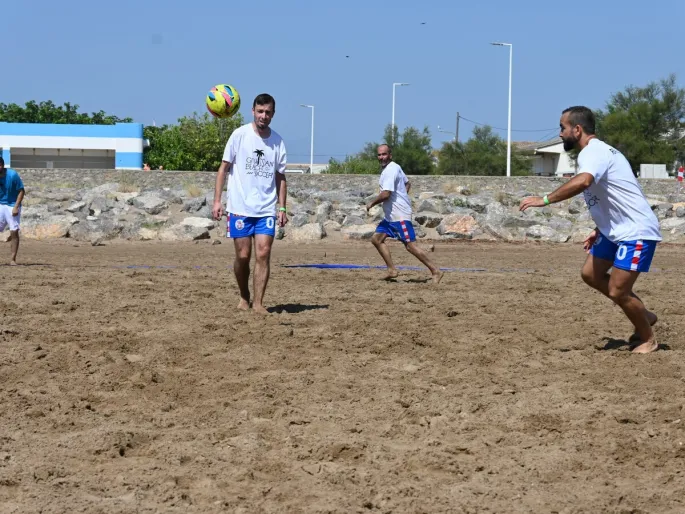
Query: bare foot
x=437, y=277
x=392, y=273
x=13, y=263
x=244, y=305
x=259, y=309
x=635, y=338
x=648, y=347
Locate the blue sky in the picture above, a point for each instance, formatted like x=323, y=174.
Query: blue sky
x=154, y=60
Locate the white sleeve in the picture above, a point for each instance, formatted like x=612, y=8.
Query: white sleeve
x=594, y=161
x=231, y=149
x=387, y=180
x=282, y=158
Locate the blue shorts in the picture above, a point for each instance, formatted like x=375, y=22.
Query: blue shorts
x=626, y=255
x=247, y=226
x=401, y=230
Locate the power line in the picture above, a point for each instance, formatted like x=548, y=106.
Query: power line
x=513, y=130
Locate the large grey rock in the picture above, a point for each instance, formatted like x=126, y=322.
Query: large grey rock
x=307, y=207
x=680, y=212
x=182, y=232
x=199, y=222
x=205, y=212
x=100, y=204
x=429, y=219
x=125, y=198
x=37, y=212
x=561, y=225
x=429, y=206
x=101, y=229
x=426, y=195
x=76, y=207
x=299, y=220
x=323, y=211
x=194, y=204
x=577, y=206
x=352, y=209
x=332, y=226
x=673, y=224
x=101, y=190
x=478, y=202
x=172, y=196
x=338, y=216
x=580, y=233
x=55, y=196
x=544, y=233
x=50, y=227
x=308, y=232
x=358, y=232
x=352, y=220
x=457, y=226
x=150, y=203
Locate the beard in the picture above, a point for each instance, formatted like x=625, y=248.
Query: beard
x=569, y=143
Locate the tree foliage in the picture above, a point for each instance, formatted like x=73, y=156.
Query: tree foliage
x=484, y=154
x=646, y=124
x=48, y=112
x=196, y=143
x=411, y=150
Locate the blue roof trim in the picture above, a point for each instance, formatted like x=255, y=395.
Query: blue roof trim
x=120, y=130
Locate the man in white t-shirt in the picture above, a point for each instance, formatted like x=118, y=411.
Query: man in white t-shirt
x=396, y=223
x=254, y=160
x=627, y=230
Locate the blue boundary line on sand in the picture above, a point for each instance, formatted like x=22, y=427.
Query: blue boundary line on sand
x=362, y=266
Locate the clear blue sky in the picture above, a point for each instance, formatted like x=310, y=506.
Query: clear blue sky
x=154, y=60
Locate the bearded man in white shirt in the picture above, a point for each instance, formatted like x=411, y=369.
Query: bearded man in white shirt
x=627, y=230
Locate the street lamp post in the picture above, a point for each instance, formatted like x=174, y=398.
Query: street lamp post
x=394, y=85
x=511, y=52
x=311, y=146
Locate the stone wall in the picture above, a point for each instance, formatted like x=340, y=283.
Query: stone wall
x=98, y=205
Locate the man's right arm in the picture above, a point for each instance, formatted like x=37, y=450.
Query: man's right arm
x=217, y=209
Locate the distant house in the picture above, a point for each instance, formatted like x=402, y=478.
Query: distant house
x=46, y=145
x=549, y=158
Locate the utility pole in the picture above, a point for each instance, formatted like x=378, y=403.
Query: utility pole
x=456, y=137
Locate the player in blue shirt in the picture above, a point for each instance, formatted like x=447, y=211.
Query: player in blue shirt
x=11, y=196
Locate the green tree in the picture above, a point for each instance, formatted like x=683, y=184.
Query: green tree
x=48, y=112
x=647, y=124
x=196, y=143
x=411, y=150
x=484, y=154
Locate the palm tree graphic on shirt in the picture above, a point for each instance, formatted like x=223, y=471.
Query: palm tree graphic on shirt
x=259, y=154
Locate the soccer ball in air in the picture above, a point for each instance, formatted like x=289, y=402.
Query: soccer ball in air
x=223, y=101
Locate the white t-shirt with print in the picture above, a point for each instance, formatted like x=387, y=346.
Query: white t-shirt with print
x=252, y=177
x=615, y=200
x=398, y=206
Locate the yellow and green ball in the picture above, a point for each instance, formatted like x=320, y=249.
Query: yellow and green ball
x=223, y=101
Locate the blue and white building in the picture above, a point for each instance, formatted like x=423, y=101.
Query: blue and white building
x=45, y=145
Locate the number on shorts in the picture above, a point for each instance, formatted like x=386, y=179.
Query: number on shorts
x=622, y=251
x=269, y=223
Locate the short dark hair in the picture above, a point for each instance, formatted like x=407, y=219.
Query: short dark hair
x=2, y=161
x=389, y=147
x=264, y=99
x=579, y=115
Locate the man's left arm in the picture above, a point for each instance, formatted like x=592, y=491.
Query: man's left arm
x=573, y=187
x=282, y=188
x=382, y=197
x=17, y=204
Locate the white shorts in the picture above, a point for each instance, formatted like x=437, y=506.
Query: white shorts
x=6, y=218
